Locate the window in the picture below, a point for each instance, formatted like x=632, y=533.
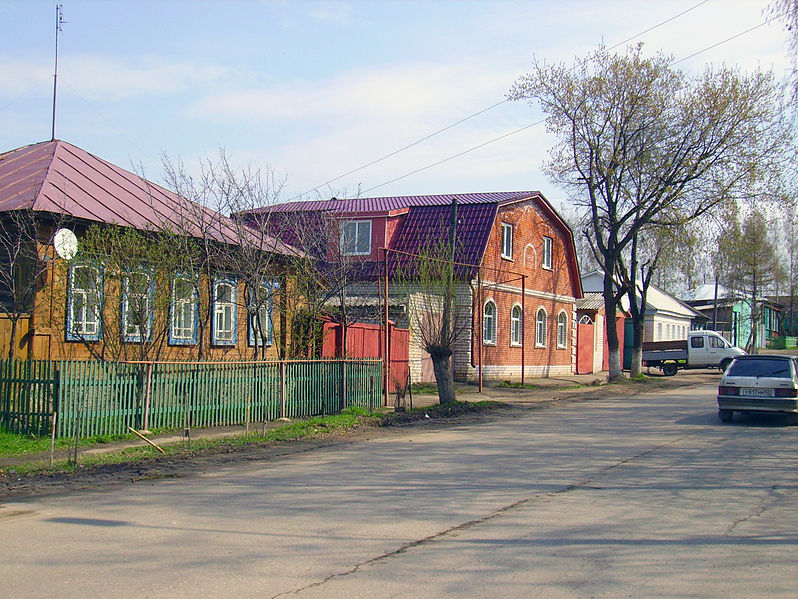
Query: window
x=697, y=341
x=547, y=252
x=540, y=328
x=507, y=241
x=659, y=331
x=183, y=324
x=137, y=295
x=261, y=323
x=562, y=330
x=83, y=303
x=356, y=238
x=489, y=323
x=515, y=325
x=225, y=295
x=716, y=342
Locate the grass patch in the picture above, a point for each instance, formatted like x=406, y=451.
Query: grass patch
x=425, y=388
x=514, y=385
x=293, y=431
x=14, y=444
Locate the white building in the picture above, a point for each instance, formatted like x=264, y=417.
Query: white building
x=666, y=318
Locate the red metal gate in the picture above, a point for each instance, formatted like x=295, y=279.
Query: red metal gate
x=365, y=340
x=584, y=347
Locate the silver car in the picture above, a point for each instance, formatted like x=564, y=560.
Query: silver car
x=759, y=383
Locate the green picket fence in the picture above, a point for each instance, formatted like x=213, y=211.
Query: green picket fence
x=105, y=398
x=27, y=390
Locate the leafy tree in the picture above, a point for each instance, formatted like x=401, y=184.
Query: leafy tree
x=642, y=144
x=749, y=264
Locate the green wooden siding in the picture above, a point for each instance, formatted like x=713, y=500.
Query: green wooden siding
x=104, y=398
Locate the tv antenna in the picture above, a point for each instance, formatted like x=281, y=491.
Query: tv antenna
x=59, y=20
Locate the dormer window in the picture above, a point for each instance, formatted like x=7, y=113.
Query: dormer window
x=507, y=241
x=356, y=238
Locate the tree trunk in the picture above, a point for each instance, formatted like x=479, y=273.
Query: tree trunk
x=442, y=366
x=636, y=367
x=613, y=345
x=12, y=342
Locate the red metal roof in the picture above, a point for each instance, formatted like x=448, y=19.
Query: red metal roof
x=60, y=178
x=383, y=205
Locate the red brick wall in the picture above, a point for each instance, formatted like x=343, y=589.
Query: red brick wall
x=551, y=289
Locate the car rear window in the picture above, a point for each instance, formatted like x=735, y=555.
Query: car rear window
x=761, y=367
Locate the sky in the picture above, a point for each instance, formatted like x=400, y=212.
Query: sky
x=314, y=90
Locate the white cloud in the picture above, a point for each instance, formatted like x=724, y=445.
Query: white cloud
x=100, y=78
x=397, y=92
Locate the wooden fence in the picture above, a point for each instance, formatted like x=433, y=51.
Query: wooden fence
x=104, y=398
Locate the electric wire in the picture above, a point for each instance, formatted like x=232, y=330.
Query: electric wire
x=538, y=122
x=484, y=110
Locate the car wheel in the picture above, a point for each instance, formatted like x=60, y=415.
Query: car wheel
x=725, y=364
x=725, y=415
x=670, y=368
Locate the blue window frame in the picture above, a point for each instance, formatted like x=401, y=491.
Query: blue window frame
x=138, y=291
x=184, y=311
x=261, y=321
x=225, y=312
x=84, y=300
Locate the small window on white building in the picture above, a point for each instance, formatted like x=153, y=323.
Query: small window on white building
x=540, y=328
x=356, y=238
x=515, y=325
x=507, y=241
x=489, y=323
x=547, y=253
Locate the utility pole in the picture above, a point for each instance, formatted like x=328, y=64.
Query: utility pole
x=59, y=20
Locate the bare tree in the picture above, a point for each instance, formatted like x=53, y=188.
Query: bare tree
x=642, y=144
x=125, y=275
x=23, y=266
x=429, y=280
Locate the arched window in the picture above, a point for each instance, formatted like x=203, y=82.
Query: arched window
x=540, y=328
x=489, y=323
x=562, y=330
x=515, y=325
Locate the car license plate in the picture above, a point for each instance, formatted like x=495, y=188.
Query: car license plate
x=756, y=392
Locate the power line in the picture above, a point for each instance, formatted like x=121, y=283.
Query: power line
x=770, y=20
x=484, y=110
x=495, y=139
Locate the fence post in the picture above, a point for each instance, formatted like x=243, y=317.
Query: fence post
x=282, y=388
x=147, y=397
x=343, y=384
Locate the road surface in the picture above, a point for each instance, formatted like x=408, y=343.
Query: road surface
x=629, y=497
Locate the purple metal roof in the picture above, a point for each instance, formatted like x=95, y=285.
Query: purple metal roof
x=60, y=178
x=387, y=204
x=430, y=224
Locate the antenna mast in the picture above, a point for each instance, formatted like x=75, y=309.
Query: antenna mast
x=59, y=20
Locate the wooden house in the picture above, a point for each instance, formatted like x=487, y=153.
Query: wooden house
x=84, y=308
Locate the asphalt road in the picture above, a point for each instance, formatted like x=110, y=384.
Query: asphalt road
x=629, y=497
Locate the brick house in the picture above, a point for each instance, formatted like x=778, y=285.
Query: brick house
x=519, y=297
x=77, y=309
